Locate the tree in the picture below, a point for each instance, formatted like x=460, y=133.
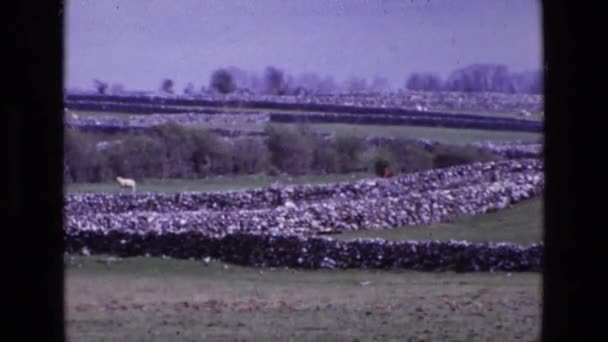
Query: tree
x=380, y=84
x=274, y=81
x=100, y=86
x=356, y=85
x=167, y=86
x=222, y=82
x=189, y=90
x=291, y=148
x=481, y=78
x=424, y=81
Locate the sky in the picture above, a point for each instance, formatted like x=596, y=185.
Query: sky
x=138, y=43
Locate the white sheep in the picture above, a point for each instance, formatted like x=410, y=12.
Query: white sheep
x=126, y=183
x=524, y=113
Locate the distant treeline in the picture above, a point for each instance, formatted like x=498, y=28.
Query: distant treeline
x=480, y=78
x=274, y=81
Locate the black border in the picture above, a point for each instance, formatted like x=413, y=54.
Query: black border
x=32, y=105
x=33, y=129
x=570, y=235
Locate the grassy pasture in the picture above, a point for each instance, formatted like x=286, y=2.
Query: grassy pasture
x=152, y=299
x=215, y=183
x=522, y=224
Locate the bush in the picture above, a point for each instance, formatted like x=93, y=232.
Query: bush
x=410, y=157
x=210, y=155
x=325, y=157
x=291, y=149
x=250, y=156
x=377, y=159
x=137, y=156
x=348, y=150
x=447, y=156
x=82, y=161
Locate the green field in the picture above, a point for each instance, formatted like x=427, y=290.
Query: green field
x=522, y=224
x=215, y=183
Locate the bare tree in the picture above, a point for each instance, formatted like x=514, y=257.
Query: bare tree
x=167, y=86
x=100, y=86
x=274, y=81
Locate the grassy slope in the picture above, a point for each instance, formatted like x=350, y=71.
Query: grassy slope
x=522, y=223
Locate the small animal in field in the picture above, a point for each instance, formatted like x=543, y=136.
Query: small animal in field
x=388, y=172
x=126, y=183
x=524, y=113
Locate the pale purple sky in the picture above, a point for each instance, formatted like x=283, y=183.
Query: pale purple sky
x=139, y=42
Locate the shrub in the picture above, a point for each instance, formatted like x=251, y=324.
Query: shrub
x=82, y=161
x=291, y=149
x=137, y=156
x=348, y=150
x=210, y=155
x=410, y=157
x=250, y=156
x=377, y=159
x=447, y=156
x=325, y=157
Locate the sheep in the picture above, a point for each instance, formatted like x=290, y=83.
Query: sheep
x=524, y=113
x=126, y=183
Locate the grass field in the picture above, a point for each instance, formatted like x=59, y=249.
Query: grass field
x=141, y=299
x=522, y=224
x=215, y=183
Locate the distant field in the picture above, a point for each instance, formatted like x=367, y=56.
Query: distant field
x=506, y=114
x=522, y=223
x=216, y=183
x=446, y=135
